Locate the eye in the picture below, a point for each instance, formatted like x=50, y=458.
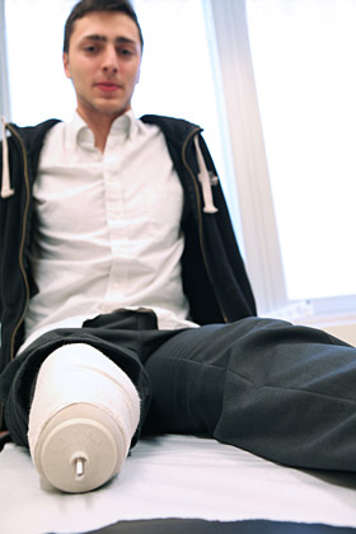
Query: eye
x=125, y=52
x=90, y=49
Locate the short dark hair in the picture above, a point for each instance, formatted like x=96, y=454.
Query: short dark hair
x=84, y=7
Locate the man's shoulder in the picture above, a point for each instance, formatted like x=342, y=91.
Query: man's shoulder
x=35, y=130
x=33, y=135
x=174, y=128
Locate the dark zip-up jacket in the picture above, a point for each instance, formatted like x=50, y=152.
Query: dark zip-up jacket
x=214, y=276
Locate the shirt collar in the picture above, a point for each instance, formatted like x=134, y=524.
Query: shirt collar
x=78, y=133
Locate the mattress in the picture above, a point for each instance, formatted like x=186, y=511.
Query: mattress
x=175, y=484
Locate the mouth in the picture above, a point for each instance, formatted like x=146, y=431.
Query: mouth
x=108, y=87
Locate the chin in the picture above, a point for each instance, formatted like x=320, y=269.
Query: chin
x=113, y=110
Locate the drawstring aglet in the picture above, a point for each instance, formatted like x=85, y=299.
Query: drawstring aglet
x=204, y=179
x=208, y=207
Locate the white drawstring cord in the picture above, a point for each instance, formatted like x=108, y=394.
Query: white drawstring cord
x=204, y=178
x=6, y=190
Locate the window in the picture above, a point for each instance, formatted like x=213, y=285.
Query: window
x=37, y=85
x=288, y=81
x=303, y=58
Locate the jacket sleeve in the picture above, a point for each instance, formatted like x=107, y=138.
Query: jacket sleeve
x=214, y=274
x=225, y=242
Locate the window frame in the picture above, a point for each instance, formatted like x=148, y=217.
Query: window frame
x=262, y=248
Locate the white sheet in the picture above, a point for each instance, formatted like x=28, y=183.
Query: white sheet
x=175, y=476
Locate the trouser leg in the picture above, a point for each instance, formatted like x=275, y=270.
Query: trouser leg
x=283, y=392
x=124, y=337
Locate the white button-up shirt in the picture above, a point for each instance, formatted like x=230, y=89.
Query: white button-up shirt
x=108, y=232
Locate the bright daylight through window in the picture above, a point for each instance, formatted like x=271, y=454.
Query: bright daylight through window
x=303, y=55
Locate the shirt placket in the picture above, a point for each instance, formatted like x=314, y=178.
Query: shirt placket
x=115, y=220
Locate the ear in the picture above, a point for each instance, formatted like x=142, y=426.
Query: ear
x=66, y=65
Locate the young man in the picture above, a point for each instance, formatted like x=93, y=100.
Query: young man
x=119, y=265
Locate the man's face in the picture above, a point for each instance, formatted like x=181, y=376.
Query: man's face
x=104, y=62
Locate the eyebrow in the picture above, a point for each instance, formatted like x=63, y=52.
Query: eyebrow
x=104, y=39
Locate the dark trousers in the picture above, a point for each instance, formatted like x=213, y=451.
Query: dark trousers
x=284, y=392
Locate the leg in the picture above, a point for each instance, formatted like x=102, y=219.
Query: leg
x=115, y=335
x=280, y=391
x=77, y=384
x=83, y=415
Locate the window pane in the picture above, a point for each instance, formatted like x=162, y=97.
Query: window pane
x=303, y=54
x=38, y=88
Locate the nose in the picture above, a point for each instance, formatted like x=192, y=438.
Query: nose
x=110, y=61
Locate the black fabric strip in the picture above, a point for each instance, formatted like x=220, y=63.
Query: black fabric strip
x=4, y=438
x=199, y=526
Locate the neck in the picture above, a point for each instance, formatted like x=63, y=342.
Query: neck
x=100, y=125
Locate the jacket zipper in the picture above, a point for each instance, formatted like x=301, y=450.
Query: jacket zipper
x=22, y=243
x=200, y=220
